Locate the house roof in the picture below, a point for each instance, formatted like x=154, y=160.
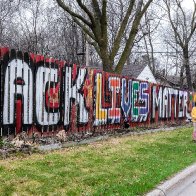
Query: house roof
x=170, y=80
x=133, y=70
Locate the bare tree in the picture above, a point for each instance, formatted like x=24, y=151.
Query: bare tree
x=95, y=25
x=7, y=10
x=183, y=26
x=32, y=25
x=149, y=30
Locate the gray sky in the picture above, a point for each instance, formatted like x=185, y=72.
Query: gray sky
x=188, y=3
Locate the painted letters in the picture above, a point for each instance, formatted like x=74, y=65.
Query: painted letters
x=44, y=78
x=18, y=85
x=39, y=92
x=100, y=113
x=126, y=98
x=114, y=112
x=72, y=91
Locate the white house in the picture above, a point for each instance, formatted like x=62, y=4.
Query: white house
x=140, y=72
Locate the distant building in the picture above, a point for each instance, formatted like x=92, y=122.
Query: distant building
x=169, y=80
x=140, y=72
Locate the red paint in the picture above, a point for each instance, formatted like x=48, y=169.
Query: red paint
x=114, y=84
x=110, y=99
x=18, y=116
x=52, y=97
x=3, y=51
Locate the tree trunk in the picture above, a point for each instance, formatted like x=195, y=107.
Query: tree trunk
x=187, y=67
x=181, y=76
x=107, y=64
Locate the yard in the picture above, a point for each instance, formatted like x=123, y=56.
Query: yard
x=130, y=165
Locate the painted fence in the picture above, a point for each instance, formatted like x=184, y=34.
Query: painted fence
x=40, y=94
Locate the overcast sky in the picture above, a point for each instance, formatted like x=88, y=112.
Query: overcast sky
x=188, y=3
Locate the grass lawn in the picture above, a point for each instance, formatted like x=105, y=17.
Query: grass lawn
x=129, y=165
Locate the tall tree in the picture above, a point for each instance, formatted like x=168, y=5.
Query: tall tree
x=183, y=25
x=32, y=25
x=93, y=19
x=7, y=10
x=150, y=30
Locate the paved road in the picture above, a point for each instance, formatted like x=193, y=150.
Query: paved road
x=190, y=190
x=182, y=184
x=185, y=188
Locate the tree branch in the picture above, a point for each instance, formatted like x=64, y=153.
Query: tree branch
x=184, y=26
x=93, y=44
x=73, y=14
x=84, y=28
x=193, y=22
x=104, y=21
x=86, y=11
x=96, y=9
x=123, y=25
x=132, y=34
x=177, y=35
x=97, y=16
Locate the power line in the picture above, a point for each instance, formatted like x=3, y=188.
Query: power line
x=160, y=52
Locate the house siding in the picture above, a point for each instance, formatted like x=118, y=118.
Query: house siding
x=147, y=75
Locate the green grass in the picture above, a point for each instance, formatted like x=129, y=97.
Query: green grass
x=120, y=166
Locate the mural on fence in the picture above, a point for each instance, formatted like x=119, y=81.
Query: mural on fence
x=46, y=95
